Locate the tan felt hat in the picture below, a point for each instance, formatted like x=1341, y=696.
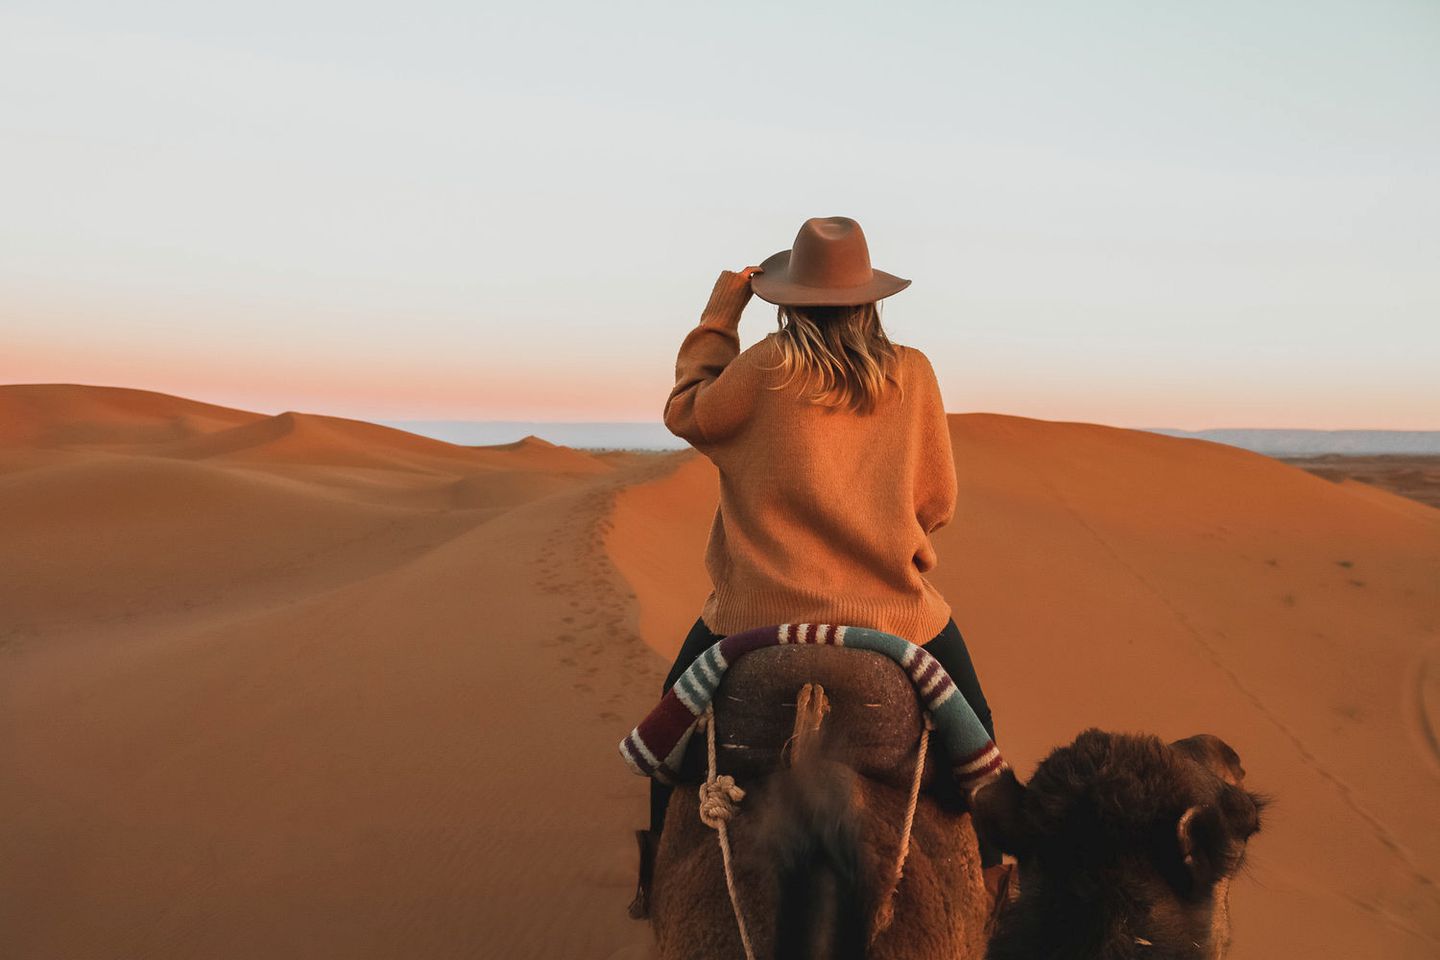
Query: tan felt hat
x=828, y=266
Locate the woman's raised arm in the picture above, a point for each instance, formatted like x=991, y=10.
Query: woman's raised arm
x=709, y=401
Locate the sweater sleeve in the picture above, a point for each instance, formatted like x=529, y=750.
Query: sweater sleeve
x=935, y=481
x=713, y=395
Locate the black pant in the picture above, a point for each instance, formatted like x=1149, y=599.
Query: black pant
x=947, y=646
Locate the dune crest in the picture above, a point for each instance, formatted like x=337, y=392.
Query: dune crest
x=303, y=438
x=54, y=414
x=337, y=451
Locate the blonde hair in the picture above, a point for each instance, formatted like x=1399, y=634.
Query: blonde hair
x=844, y=348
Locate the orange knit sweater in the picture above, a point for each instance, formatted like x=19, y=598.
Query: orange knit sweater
x=824, y=514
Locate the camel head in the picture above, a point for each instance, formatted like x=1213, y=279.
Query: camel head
x=1126, y=846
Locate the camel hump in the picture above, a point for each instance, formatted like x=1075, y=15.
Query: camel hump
x=873, y=722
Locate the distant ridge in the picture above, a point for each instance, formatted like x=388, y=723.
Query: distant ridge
x=641, y=435
x=143, y=422
x=1304, y=443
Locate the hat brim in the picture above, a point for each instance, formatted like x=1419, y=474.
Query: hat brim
x=774, y=285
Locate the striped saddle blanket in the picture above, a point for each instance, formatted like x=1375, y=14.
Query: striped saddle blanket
x=657, y=746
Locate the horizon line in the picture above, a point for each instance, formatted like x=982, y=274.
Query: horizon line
x=386, y=419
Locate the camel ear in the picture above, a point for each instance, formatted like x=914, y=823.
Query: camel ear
x=996, y=811
x=1214, y=754
x=1204, y=845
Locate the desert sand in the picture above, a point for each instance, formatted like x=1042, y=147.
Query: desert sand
x=1410, y=475
x=300, y=686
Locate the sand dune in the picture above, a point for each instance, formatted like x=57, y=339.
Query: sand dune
x=46, y=414
x=155, y=424
x=349, y=459
x=252, y=710
x=331, y=441
x=303, y=686
x=117, y=538
x=533, y=453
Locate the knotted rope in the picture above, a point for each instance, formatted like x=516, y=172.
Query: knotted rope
x=719, y=796
x=718, y=800
x=886, y=914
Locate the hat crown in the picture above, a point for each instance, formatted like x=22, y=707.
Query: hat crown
x=829, y=265
x=831, y=252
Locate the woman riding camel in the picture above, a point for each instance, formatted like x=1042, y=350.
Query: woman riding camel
x=835, y=467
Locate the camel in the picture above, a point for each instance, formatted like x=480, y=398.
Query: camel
x=1125, y=844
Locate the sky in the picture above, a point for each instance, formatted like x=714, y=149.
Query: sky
x=1138, y=213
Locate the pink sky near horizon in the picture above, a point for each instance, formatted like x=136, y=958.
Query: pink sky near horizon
x=447, y=390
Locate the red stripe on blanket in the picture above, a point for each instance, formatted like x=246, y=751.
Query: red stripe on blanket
x=938, y=694
x=984, y=773
x=666, y=723
x=737, y=645
x=636, y=755
x=972, y=757
x=928, y=666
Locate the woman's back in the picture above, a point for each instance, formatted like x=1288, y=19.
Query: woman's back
x=824, y=512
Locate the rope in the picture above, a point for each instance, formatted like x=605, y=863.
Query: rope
x=886, y=914
x=719, y=796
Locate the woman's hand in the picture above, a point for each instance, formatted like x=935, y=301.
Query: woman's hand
x=732, y=291
x=731, y=282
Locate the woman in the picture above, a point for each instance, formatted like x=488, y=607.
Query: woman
x=835, y=466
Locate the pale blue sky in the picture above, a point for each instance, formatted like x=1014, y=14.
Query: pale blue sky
x=1196, y=215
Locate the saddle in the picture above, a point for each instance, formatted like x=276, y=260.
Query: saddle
x=752, y=705
x=873, y=724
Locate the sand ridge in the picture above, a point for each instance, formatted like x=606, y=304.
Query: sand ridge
x=49, y=414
